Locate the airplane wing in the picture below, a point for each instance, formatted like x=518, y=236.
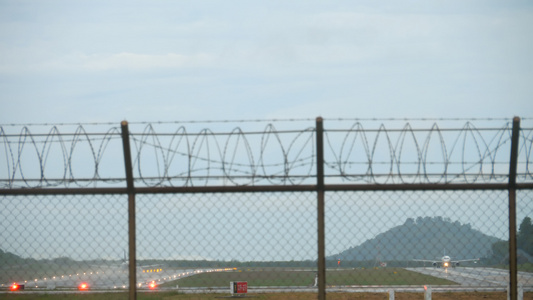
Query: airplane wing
x=465, y=260
x=425, y=260
x=149, y=266
x=434, y=262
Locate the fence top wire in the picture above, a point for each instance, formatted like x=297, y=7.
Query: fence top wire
x=277, y=152
x=258, y=121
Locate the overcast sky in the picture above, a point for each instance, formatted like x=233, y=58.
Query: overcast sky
x=106, y=61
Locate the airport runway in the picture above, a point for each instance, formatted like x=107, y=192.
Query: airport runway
x=476, y=276
x=110, y=278
x=107, y=278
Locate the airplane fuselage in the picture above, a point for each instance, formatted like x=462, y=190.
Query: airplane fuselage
x=445, y=261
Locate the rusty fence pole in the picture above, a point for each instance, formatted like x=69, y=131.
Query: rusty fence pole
x=131, y=211
x=513, y=270
x=320, y=209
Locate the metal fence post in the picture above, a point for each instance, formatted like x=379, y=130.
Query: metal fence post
x=513, y=270
x=320, y=209
x=131, y=211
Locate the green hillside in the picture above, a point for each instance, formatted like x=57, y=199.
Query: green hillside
x=8, y=259
x=423, y=238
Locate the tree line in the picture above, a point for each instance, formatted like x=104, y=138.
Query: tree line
x=524, y=243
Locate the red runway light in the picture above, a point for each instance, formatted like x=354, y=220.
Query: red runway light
x=83, y=286
x=152, y=285
x=15, y=287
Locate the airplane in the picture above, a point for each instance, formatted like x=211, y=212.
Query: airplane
x=446, y=262
x=144, y=268
x=124, y=264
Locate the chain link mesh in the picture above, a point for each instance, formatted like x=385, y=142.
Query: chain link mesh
x=241, y=236
x=237, y=205
x=395, y=238
x=61, y=241
x=391, y=238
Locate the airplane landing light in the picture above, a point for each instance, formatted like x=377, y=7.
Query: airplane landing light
x=83, y=286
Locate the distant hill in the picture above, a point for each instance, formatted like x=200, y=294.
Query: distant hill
x=8, y=258
x=423, y=238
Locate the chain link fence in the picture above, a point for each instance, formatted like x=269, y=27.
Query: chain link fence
x=402, y=207
x=413, y=231
x=59, y=241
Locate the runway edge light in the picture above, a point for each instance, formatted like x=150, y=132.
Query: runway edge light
x=83, y=286
x=16, y=287
x=152, y=285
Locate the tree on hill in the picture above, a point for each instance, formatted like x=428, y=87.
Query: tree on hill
x=524, y=243
x=524, y=237
x=7, y=258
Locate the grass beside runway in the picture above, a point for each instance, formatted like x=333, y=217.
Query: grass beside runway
x=527, y=267
x=259, y=277
x=273, y=296
x=285, y=277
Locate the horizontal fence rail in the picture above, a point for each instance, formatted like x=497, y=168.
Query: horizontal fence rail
x=299, y=205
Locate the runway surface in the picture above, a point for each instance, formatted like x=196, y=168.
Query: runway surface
x=110, y=278
x=489, y=277
x=116, y=278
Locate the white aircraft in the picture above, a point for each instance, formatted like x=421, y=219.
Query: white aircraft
x=144, y=268
x=447, y=261
x=125, y=264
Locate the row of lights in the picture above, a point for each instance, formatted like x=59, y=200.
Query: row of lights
x=17, y=287
x=153, y=271
x=152, y=285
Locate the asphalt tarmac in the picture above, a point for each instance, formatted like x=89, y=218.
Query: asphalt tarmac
x=464, y=276
x=110, y=278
